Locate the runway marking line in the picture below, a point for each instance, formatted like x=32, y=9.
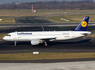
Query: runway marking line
x=36, y=23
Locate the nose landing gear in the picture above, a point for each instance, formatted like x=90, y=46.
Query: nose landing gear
x=15, y=43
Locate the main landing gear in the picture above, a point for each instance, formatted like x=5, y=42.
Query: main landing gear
x=45, y=43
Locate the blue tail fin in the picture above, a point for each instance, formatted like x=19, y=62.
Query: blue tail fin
x=83, y=25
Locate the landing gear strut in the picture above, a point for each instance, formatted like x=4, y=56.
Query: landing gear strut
x=15, y=43
x=45, y=43
x=84, y=37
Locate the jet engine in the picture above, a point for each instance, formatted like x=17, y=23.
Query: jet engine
x=35, y=42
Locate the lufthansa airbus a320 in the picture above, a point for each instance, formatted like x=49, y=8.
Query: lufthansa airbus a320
x=38, y=37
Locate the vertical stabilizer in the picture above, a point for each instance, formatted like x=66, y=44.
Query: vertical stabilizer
x=83, y=25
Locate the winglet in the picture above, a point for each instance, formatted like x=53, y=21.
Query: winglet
x=83, y=25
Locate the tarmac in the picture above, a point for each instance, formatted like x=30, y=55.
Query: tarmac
x=78, y=45
x=84, y=65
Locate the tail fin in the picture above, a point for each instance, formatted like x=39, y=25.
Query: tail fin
x=83, y=25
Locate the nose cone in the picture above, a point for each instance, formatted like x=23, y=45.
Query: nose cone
x=4, y=38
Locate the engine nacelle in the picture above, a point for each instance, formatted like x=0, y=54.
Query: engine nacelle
x=35, y=42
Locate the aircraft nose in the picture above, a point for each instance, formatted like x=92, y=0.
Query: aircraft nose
x=4, y=38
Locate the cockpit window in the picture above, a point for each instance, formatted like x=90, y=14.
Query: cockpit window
x=8, y=35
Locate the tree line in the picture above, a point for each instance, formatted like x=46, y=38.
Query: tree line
x=80, y=5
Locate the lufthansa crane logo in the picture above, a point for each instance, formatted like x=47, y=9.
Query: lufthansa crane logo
x=84, y=24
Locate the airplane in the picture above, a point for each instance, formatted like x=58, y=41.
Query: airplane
x=37, y=37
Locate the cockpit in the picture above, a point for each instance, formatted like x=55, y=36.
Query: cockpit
x=8, y=35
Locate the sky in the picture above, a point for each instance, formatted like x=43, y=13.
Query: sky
x=9, y=1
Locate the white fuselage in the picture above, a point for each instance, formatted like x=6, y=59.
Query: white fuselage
x=40, y=35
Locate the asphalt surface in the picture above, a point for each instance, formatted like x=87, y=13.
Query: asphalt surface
x=38, y=21
x=84, y=65
x=79, y=45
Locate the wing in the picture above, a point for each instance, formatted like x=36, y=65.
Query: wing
x=49, y=39
x=46, y=39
